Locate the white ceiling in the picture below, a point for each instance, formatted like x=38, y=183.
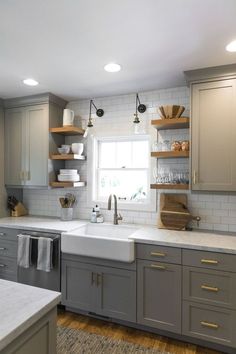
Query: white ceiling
x=64, y=44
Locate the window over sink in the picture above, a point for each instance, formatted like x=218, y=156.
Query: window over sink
x=122, y=167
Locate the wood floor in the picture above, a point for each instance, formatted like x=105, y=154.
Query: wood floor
x=115, y=331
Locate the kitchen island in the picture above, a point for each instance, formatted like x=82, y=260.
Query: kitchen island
x=28, y=319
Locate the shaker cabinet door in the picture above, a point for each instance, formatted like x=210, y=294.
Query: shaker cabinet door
x=159, y=295
x=79, y=289
x=14, y=146
x=117, y=296
x=213, y=130
x=37, y=145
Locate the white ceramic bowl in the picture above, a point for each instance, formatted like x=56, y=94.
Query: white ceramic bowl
x=68, y=172
x=66, y=146
x=68, y=178
x=77, y=148
x=63, y=150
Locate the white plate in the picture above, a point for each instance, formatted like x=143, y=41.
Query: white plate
x=68, y=178
x=68, y=172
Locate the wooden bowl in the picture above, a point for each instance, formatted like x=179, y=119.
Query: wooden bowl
x=170, y=111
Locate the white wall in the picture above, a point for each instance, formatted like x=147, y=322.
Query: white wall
x=2, y=187
x=218, y=211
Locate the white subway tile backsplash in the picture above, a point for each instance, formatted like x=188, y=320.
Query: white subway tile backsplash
x=218, y=211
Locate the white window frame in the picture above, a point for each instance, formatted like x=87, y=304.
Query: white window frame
x=149, y=206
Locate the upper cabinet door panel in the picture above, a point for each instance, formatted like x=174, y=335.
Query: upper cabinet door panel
x=37, y=145
x=14, y=164
x=213, y=128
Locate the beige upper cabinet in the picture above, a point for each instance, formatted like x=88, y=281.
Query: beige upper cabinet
x=213, y=135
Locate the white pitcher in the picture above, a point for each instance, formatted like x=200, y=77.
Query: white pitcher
x=68, y=117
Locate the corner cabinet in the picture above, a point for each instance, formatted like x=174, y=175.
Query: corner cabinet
x=213, y=126
x=27, y=139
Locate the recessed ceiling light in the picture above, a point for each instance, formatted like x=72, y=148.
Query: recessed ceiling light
x=112, y=67
x=231, y=47
x=30, y=82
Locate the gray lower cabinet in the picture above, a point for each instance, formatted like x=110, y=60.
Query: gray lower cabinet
x=210, y=323
x=8, y=253
x=159, y=295
x=101, y=290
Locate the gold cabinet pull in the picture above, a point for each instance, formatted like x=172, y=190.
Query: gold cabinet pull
x=210, y=288
x=158, y=254
x=158, y=266
x=209, y=324
x=99, y=279
x=209, y=261
x=194, y=177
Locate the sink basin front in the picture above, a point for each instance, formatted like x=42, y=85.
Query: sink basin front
x=100, y=241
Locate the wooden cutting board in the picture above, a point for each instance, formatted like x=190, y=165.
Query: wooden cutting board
x=173, y=212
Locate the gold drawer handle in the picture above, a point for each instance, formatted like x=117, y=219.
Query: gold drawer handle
x=158, y=254
x=209, y=324
x=158, y=266
x=209, y=261
x=210, y=288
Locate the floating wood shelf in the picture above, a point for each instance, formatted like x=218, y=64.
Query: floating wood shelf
x=169, y=186
x=67, y=184
x=67, y=157
x=67, y=130
x=174, y=123
x=169, y=154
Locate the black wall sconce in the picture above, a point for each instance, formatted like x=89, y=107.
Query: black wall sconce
x=141, y=108
x=99, y=113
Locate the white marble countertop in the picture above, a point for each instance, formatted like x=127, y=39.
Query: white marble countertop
x=197, y=240
x=20, y=307
x=40, y=223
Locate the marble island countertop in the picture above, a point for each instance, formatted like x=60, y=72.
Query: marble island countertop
x=200, y=240
x=20, y=307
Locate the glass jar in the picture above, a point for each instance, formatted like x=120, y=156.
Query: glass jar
x=66, y=214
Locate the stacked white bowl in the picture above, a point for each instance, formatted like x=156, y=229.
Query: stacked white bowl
x=68, y=175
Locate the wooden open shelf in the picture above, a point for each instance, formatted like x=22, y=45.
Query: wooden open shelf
x=67, y=184
x=170, y=186
x=67, y=130
x=174, y=123
x=67, y=157
x=169, y=154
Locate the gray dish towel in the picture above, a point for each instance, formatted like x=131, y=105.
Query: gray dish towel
x=24, y=251
x=45, y=248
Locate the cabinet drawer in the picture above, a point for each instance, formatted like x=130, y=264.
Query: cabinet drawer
x=8, y=234
x=8, y=248
x=211, y=260
x=209, y=286
x=209, y=323
x=8, y=267
x=159, y=253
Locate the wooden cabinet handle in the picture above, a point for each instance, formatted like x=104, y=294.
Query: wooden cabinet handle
x=157, y=254
x=210, y=288
x=158, y=266
x=209, y=261
x=209, y=324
